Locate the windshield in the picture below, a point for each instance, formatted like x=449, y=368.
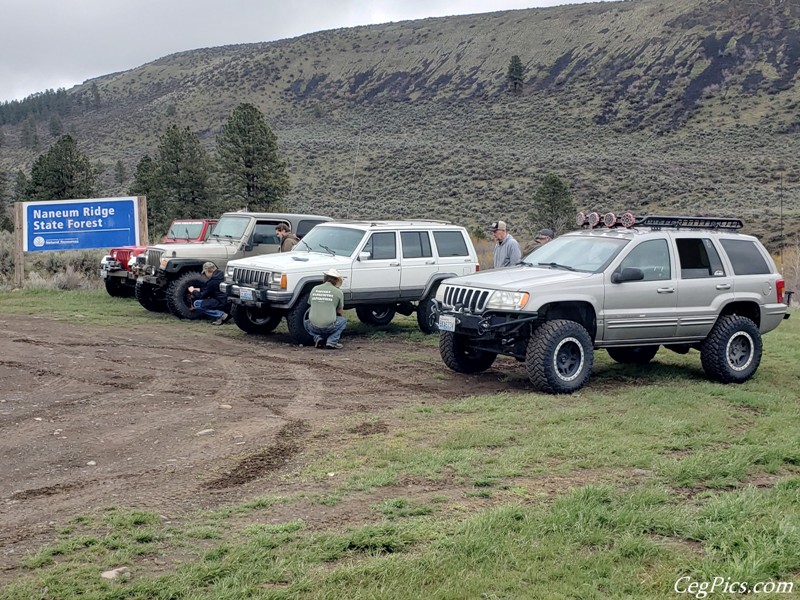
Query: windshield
x=187, y=230
x=341, y=241
x=230, y=227
x=581, y=253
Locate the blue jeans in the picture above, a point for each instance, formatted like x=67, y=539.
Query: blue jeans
x=210, y=312
x=332, y=332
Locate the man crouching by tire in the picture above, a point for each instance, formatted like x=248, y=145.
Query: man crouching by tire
x=208, y=300
x=325, y=320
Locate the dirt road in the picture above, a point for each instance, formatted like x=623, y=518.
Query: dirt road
x=171, y=419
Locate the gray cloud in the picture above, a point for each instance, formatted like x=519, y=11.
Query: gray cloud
x=47, y=44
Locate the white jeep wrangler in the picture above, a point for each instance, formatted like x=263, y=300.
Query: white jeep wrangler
x=388, y=267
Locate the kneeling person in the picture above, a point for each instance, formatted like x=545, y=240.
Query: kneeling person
x=325, y=320
x=209, y=300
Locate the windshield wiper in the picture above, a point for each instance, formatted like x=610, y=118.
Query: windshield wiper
x=556, y=266
x=307, y=246
x=324, y=247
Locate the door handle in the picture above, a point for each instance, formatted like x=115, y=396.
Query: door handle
x=665, y=290
x=430, y=262
x=394, y=264
x=723, y=286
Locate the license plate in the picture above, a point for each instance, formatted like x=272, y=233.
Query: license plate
x=245, y=294
x=447, y=323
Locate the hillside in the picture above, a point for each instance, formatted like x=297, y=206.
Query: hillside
x=679, y=106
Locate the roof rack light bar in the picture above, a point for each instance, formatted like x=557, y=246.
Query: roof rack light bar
x=657, y=222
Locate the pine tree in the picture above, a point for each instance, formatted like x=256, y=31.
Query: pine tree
x=143, y=186
x=119, y=173
x=252, y=172
x=29, y=136
x=56, y=127
x=181, y=186
x=516, y=74
x=553, y=206
x=61, y=173
x=21, y=187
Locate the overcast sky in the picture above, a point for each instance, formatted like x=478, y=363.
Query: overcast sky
x=48, y=44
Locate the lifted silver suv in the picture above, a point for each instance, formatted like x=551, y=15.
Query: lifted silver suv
x=629, y=287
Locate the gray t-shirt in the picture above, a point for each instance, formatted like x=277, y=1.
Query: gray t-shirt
x=324, y=300
x=507, y=253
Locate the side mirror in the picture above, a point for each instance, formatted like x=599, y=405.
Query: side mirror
x=627, y=274
x=364, y=256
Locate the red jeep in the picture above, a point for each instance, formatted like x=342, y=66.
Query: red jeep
x=115, y=268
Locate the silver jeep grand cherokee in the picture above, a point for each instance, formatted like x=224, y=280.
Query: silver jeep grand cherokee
x=629, y=286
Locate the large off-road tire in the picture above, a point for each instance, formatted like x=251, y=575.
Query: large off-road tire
x=295, y=321
x=459, y=356
x=118, y=289
x=633, y=355
x=428, y=313
x=179, y=300
x=732, y=351
x=150, y=297
x=375, y=314
x=256, y=320
x=559, y=357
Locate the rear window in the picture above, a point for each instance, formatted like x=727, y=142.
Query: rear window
x=745, y=257
x=306, y=225
x=450, y=243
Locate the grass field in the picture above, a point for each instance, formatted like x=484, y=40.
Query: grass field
x=640, y=486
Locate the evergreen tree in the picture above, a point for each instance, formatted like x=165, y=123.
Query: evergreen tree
x=553, y=206
x=516, y=74
x=21, y=187
x=29, y=136
x=61, y=173
x=181, y=186
x=119, y=173
x=143, y=186
x=6, y=205
x=252, y=172
x=56, y=127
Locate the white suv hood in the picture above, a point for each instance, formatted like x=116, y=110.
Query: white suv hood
x=295, y=261
x=207, y=250
x=517, y=278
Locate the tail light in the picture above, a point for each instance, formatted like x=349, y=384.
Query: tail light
x=780, y=286
x=477, y=267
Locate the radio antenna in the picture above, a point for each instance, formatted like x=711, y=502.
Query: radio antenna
x=781, y=219
x=355, y=162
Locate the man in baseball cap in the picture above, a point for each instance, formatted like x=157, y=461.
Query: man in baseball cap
x=507, y=252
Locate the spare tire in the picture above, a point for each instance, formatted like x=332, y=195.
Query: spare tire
x=179, y=300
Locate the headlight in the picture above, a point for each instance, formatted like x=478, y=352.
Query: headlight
x=501, y=300
x=440, y=294
x=229, y=271
x=277, y=281
x=164, y=263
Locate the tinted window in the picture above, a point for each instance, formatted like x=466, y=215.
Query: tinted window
x=745, y=257
x=450, y=243
x=698, y=258
x=416, y=244
x=303, y=227
x=264, y=233
x=652, y=258
x=382, y=246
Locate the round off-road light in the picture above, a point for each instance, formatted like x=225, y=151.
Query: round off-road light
x=594, y=219
x=580, y=219
x=609, y=219
x=627, y=219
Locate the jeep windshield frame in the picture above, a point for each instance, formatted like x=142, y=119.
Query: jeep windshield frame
x=338, y=240
x=185, y=230
x=230, y=227
x=588, y=254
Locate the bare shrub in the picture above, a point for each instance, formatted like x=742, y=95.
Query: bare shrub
x=37, y=282
x=6, y=256
x=70, y=280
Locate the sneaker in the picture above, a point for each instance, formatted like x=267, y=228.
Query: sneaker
x=221, y=320
x=320, y=343
x=334, y=346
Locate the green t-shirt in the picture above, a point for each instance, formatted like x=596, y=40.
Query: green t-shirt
x=324, y=301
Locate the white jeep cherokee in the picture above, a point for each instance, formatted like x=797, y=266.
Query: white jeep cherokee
x=388, y=267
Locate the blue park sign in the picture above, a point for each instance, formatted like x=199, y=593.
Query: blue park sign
x=80, y=224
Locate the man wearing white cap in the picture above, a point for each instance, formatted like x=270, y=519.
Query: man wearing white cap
x=325, y=320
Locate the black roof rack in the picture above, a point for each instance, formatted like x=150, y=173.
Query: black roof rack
x=658, y=222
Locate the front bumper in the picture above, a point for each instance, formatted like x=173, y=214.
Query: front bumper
x=257, y=297
x=484, y=325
